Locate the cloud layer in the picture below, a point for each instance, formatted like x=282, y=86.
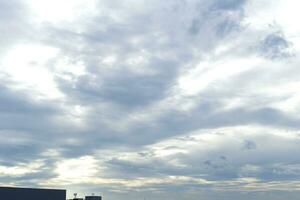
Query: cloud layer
x=155, y=99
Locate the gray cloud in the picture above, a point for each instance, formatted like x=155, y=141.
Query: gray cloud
x=275, y=45
x=126, y=108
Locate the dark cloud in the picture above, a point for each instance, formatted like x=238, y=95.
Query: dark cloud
x=123, y=87
x=249, y=145
x=204, y=117
x=275, y=45
x=229, y=4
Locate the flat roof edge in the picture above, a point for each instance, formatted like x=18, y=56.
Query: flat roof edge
x=29, y=188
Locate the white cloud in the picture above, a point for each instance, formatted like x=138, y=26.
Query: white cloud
x=76, y=170
x=56, y=11
x=27, y=65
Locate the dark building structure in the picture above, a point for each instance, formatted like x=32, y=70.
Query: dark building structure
x=11, y=193
x=93, y=198
x=88, y=198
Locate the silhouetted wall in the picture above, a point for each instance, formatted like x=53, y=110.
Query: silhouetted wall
x=10, y=193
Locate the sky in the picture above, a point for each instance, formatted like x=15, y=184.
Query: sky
x=151, y=99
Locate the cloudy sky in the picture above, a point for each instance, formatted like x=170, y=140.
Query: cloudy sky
x=155, y=99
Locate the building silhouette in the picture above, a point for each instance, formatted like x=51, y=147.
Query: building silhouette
x=12, y=193
x=93, y=198
x=87, y=197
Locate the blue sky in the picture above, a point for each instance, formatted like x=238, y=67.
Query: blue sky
x=159, y=99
